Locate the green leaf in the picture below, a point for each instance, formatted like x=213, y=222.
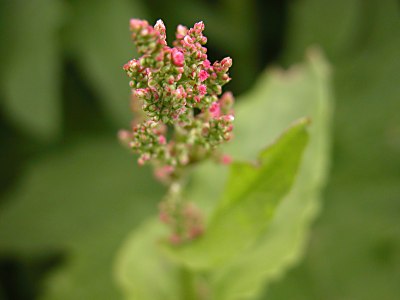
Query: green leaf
x=248, y=203
x=80, y=202
x=307, y=92
x=98, y=36
x=30, y=65
x=142, y=271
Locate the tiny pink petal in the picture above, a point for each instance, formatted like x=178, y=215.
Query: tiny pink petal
x=215, y=110
x=202, y=89
x=162, y=140
x=203, y=75
x=178, y=59
x=226, y=159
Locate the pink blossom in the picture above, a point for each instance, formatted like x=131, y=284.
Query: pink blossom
x=178, y=59
x=202, y=89
x=206, y=64
x=137, y=23
x=226, y=63
x=162, y=140
x=142, y=159
x=188, y=40
x=199, y=27
x=226, y=159
x=203, y=75
x=163, y=172
x=215, y=110
x=160, y=27
x=140, y=93
x=181, y=31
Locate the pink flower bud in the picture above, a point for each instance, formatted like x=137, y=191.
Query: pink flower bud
x=142, y=160
x=181, y=31
x=180, y=92
x=144, y=32
x=124, y=136
x=162, y=140
x=226, y=63
x=140, y=93
x=226, y=159
x=202, y=89
x=206, y=64
x=203, y=75
x=160, y=27
x=215, y=110
x=199, y=27
x=188, y=40
x=135, y=24
x=229, y=118
x=178, y=59
x=163, y=172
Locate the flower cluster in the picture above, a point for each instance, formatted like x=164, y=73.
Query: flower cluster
x=177, y=88
x=182, y=120
x=185, y=219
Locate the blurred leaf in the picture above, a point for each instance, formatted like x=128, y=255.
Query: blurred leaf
x=98, y=36
x=141, y=271
x=248, y=203
x=355, y=253
x=80, y=201
x=30, y=60
x=302, y=91
x=337, y=30
x=278, y=98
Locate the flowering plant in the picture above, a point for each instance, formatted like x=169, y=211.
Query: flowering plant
x=228, y=250
x=180, y=119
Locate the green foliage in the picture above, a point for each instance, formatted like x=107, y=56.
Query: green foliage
x=248, y=203
x=30, y=65
x=98, y=37
x=37, y=32
x=141, y=271
x=303, y=90
x=60, y=202
x=355, y=249
x=79, y=202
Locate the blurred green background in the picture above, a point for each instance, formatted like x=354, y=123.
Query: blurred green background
x=70, y=193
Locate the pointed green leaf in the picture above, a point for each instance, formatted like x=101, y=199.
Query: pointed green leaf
x=248, y=203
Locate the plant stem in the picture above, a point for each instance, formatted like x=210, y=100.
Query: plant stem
x=188, y=288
